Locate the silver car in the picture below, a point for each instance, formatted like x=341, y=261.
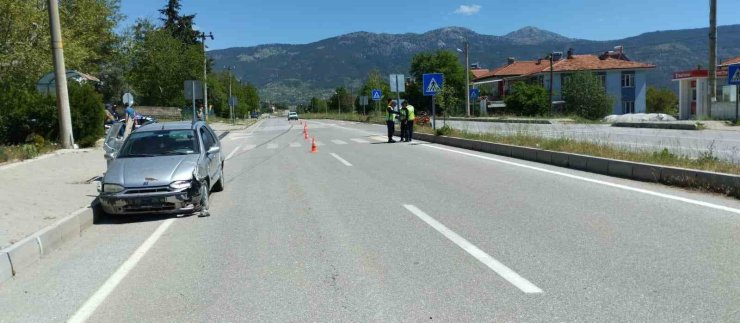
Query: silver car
x=162, y=168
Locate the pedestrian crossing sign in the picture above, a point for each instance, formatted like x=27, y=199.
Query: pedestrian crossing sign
x=377, y=95
x=432, y=83
x=734, y=74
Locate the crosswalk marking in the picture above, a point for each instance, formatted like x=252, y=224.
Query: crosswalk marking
x=272, y=146
x=338, y=142
x=319, y=143
x=360, y=141
x=379, y=138
x=249, y=147
x=295, y=144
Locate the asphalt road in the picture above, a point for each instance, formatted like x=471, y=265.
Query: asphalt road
x=721, y=144
x=368, y=231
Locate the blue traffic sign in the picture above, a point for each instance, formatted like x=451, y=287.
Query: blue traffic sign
x=733, y=74
x=432, y=83
x=474, y=93
x=377, y=95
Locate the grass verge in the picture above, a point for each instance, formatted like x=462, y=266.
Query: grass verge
x=9, y=154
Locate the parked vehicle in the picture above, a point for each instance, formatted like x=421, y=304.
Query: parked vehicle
x=254, y=115
x=292, y=116
x=162, y=168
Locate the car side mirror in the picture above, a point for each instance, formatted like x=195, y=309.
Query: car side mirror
x=110, y=156
x=214, y=150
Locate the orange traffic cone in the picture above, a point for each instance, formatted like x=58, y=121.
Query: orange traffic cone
x=305, y=135
x=313, y=146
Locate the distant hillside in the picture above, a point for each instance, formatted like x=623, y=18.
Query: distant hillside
x=294, y=73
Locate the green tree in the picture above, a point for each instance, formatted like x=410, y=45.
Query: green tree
x=341, y=97
x=447, y=99
x=661, y=100
x=586, y=97
x=179, y=26
x=375, y=80
x=318, y=105
x=528, y=99
x=443, y=61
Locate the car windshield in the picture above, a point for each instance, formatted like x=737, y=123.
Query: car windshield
x=160, y=143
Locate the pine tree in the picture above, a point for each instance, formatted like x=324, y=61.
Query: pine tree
x=181, y=27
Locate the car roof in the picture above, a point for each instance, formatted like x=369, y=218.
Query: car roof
x=174, y=125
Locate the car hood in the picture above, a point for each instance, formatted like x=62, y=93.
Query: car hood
x=151, y=171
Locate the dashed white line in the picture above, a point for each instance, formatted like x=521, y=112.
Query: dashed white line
x=338, y=142
x=92, y=304
x=233, y=152
x=360, y=141
x=505, y=272
x=596, y=181
x=341, y=160
x=295, y=144
x=272, y=146
x=319, y=143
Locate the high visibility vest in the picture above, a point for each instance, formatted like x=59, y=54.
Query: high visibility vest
x=412, y=115
x=389, y=115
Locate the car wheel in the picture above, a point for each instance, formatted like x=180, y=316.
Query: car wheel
x=204, y=200
x=219, y=186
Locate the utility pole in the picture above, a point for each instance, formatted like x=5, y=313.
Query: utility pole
x=712, y=95
x=65, y=119
x=231, y=104
x=203, y=37
x=551, y=80
x=467, y=79
x=339, y=102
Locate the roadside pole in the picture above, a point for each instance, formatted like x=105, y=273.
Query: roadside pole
x=737, y=101
x=193, y=95
x=65, y=119
x=434, y=115
x=467, y=79
x=203, y=37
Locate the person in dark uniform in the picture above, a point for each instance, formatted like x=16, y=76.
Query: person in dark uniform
x=404, y=116
x=390, y=117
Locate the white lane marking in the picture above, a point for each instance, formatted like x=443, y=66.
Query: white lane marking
x=338, y=142
x=272, y=146
x=295, y=144
x=360, y=141
x=379, y=138
x=249, y=147
x=239, y=137
x=596, y=181
x=319, y=143
x=233, y=152
x=505, y=272
x=340, y=159
x=92, y=304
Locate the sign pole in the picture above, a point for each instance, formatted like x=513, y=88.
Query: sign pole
x=193, y=95
x=737, y=101
x=434, y=115
x=398, y=95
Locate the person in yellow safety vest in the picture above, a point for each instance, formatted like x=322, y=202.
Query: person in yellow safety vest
x=408, y=136
x=390, y=119
x=404, y=118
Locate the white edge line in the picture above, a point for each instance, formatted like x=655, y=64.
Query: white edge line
x=596, y=181
x=346, y=163
x=505, y=272
x=233, y=152
x=92, y=304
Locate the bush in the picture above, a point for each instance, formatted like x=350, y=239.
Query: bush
x=528, y=100
x=24, y=112
x=586, y=97
x=88, y=114
x=444, y=131
x=29, y=151
x=661, y=101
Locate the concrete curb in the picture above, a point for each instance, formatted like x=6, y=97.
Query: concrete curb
x=717, y=182
x=19, y=256
x=525, y=121
x=657, y=125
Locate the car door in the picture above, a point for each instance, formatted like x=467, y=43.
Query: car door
x=113, y=141
x=212, y=160
x=218, y=157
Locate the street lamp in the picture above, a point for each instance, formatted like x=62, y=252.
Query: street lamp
x=466, y=51
x=231, y=103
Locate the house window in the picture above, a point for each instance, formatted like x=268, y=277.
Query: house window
x=628, y=80
x=628, y=107
x=602, y=79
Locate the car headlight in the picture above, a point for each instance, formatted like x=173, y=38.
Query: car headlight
x=179, y=185
x=112, y=188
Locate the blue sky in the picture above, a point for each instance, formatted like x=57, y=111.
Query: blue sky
x=253, y=22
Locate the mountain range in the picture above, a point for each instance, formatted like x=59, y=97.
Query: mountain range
x=295, y=73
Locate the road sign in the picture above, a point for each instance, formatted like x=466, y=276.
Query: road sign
x=127, y=99
x=432, y=83
x=474, y=94
x=193, y=90
x=733, y=74
x=232, y=101
x=398, y=83
x=363, y=100
x=377, y=95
